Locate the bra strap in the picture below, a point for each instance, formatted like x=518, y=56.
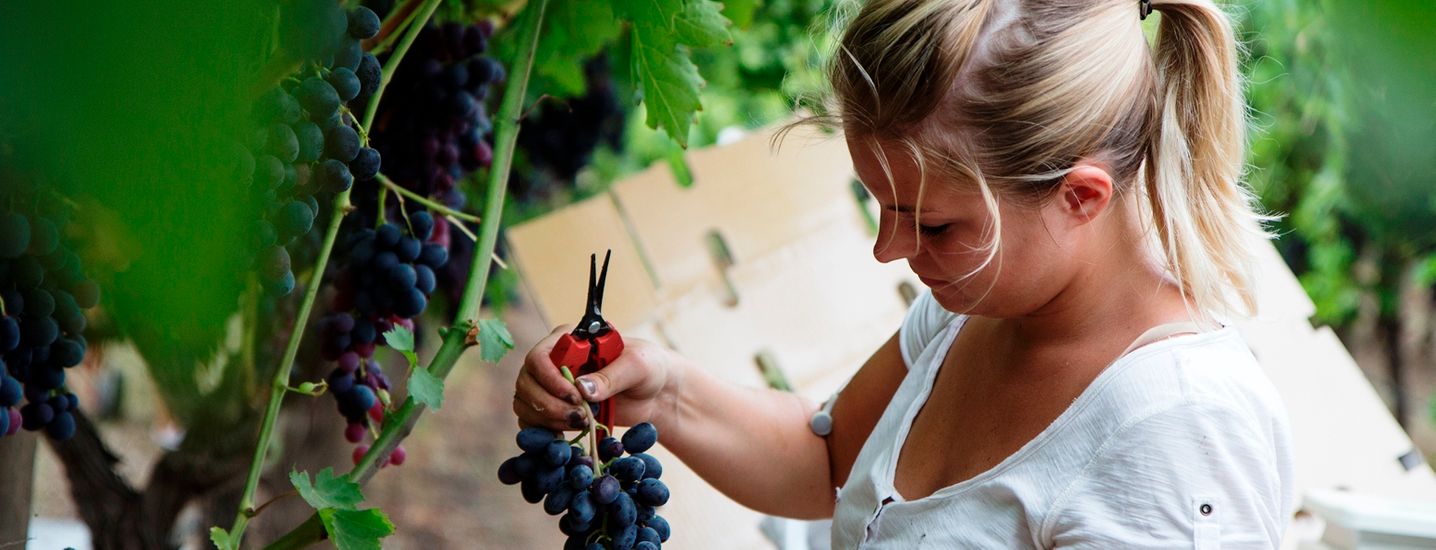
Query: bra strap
x=1162, y=332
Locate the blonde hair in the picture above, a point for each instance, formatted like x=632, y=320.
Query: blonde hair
x=1010, y=95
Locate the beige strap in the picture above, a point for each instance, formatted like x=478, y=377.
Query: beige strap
x=1162, y=332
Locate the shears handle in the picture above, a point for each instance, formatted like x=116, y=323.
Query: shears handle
x=590, y=355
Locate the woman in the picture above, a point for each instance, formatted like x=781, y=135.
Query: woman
x=1071, y=196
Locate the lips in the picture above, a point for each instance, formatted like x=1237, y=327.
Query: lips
x=931, y=283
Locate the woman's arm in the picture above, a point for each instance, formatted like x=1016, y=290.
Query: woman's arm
x=752, y=444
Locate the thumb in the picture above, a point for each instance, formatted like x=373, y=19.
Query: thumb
x=616, y=378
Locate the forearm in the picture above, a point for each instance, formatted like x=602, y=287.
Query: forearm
x=752, y=444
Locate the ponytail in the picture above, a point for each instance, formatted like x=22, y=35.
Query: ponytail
x=1206, y=219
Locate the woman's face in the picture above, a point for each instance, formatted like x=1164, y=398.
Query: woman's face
x=947, y=241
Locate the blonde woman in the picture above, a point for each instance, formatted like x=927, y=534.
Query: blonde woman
x=1071, y=196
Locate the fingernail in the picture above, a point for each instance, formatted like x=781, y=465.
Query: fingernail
x=575, y=420
x=587, y=387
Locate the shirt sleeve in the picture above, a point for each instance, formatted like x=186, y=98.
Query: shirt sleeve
x=925, y=319
x=1194, y=476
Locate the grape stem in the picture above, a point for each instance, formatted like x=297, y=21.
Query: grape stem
x=277, y=498
x=402, y=421
x=590, y=425
x=435, y=206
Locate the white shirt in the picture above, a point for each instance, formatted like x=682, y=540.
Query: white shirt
x=1182, y=443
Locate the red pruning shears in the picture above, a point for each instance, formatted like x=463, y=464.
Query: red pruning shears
x=594, y=343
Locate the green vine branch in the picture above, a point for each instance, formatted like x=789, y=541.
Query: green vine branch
x=280, y=384
x=456, y=339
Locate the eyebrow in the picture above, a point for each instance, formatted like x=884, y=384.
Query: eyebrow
x=908, y=209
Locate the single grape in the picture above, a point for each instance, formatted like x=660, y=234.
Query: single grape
x=317, y=97
x=640, y=438
x=363, y=23
x=345, y=83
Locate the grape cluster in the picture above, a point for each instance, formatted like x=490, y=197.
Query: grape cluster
x=386, y=282
x=559, y=139
x=610, y=505
x=305, y=141
x=43, y=293
x=433, y=125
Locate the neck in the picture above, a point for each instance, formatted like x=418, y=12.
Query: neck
x=1121, y=293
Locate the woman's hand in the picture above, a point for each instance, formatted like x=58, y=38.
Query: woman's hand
x=642, y=377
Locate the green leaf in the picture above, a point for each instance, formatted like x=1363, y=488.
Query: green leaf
x=494, y=340
x=400, y=338
x=402, y=341
x=574, y=30
x=356, y=529
x=701, y=24
x=327, y=491
x=426, y=388
x=740, y=12
x=669, y=80
x=670, y=84
x=221, y=539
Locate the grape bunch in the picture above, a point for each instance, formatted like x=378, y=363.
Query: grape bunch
x=559, y=139
x=305, y=140
x=433, y=126
x=386, y=282
x=43, y=295
x=606, y=505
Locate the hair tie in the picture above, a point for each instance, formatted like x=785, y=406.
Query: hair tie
x=1144, y=8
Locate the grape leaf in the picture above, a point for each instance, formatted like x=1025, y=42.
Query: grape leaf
x=327, y=491
x=740, y=12
x=574, y=30
x=661, y=33
x=356, y=529
x=494, y=340
x=701, y=24
x=402, y=341
x=221, y=538
x=426, y=388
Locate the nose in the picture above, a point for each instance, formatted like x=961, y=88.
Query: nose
x=894, y=243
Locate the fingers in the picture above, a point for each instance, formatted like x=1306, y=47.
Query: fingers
x=625, y=372
x=536, y=407
x=538, y=365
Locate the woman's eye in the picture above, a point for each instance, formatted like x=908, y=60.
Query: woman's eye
x=933, y=229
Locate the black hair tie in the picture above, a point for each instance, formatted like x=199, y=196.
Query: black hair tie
x=1144, y=8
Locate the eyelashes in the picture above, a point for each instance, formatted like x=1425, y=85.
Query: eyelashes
x=933, y=230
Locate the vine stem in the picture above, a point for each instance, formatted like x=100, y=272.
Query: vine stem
x=455, y=339
x=280, y=384
x=438, y=207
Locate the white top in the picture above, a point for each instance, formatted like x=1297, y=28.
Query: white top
x=1182, y=443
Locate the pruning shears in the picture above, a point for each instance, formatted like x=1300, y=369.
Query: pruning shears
x=594, y=343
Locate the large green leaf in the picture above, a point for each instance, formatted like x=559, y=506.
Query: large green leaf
x=356, y=529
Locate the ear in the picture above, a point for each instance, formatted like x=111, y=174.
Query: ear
x=1085, y=193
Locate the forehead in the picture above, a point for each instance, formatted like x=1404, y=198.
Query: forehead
x=892, y=174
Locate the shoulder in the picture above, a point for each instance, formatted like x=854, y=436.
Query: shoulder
x=1200, y=454
x=922, y=325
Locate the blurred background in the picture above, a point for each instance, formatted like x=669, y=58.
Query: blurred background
x=118, y=125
